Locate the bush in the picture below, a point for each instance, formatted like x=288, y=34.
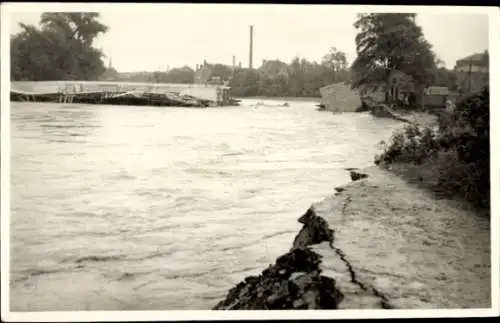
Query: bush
x=459, y=149
x=409, y=145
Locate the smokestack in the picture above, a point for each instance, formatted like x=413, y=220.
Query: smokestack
x=234, y=67
x=250, y=64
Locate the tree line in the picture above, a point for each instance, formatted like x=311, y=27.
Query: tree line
x=274, y=78
x=299, y=78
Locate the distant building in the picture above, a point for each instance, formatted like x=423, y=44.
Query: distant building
x=472, y=72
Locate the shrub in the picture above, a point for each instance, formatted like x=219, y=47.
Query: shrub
x=409, y=145
x=459, y=150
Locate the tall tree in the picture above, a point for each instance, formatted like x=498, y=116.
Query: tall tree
x=81, y=26
x=60, y=50
x=335, y=60
x=335, y=63
x=388, y=43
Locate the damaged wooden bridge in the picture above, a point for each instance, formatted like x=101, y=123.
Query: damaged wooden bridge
x=139, y=94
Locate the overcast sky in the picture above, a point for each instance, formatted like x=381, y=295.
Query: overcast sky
x=147, y=38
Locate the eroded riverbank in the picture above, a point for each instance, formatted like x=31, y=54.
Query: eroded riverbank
x=394, y=245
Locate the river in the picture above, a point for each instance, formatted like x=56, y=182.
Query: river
x=148, y=208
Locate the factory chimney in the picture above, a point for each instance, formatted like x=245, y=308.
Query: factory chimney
x=234, y=66
x=250, y=63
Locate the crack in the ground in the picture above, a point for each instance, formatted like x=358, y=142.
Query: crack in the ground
x=352, y=273
x=347, y=201
x=384, y=302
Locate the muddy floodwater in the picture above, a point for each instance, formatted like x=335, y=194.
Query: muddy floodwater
x=135, y=208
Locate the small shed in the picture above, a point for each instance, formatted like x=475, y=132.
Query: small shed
x=436, y=97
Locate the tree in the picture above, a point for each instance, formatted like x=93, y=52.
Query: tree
x=273, y=67
x=80, y=26
x=245, y=82
x=444, y=77
x=296, y=73
x=60, y=50
x=30, y=58
x=335, y=64
x=222, y=71
x=387, y=43
x=184, y=74
x=273, y=78
x=335, y=60
x=300, y=78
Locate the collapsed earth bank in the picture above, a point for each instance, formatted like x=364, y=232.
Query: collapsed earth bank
x=378, y=242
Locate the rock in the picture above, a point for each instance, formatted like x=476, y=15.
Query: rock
x=355, y=176
x=276, y=290
x=303, y=281
x=251, y=280
x=306, y=217
x=339, y=189
x=296, y=274
x=299, y=303
x=330, y=296
x=314, y=231
x=310, y=297
x=299, y=260
x=294, y=281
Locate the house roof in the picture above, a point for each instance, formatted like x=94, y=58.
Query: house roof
x=479, y=59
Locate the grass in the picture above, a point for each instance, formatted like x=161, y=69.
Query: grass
x=451, y=159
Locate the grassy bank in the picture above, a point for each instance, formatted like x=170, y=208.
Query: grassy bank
x=450, y=158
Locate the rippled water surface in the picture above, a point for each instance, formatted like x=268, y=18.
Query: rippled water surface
x=129, y=208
